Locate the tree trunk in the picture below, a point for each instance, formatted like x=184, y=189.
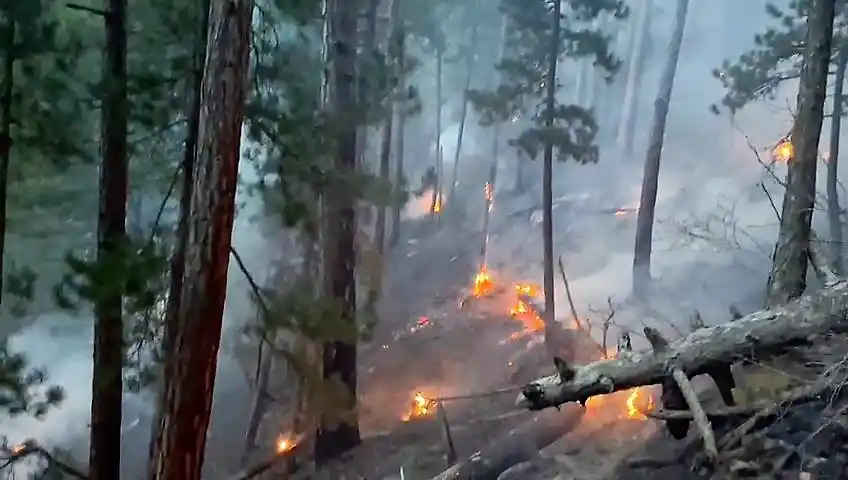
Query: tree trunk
x=186, y=402
x=394, y=238
x=260, y=401
x=834, y=214
x=6, y=132
x=650, y=178
x=437, y=191
x=635, y=71
x=386, y=144
x=469, y=70
x=520, y=185
x=489, y=189
x=178, y=257
x=789, y=270
x=549, y=315
x=104, y=461
x=335, y=437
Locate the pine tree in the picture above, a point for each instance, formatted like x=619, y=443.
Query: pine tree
x=540, y=34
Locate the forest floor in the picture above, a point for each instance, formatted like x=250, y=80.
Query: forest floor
x=430, y=341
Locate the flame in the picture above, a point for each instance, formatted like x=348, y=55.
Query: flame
x=421, y=407
x=784, y=151
x=483, y=284
x=437, y=207
x=18, y=449
x=530, y=318
x=639, y=400
x=621, y=212
x=285, y=443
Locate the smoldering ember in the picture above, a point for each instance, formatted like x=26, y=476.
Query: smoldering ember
x=394, y=240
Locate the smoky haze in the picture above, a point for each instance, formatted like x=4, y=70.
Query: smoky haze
x=714, y=234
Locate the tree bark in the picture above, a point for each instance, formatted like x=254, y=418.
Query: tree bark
x=178, y=257
x=635, y=71
x=789, y=269
x=489, y=189
x=260, y=402
x=834, y=214
x=549, y=315
x=760, y=334
x=104, y=461
x=6, y=132
x=469, y=70
x=650, y=178
x=396, y=43
x=437, y=191
x=186, y=402
x=394, y=238
x=335, y=437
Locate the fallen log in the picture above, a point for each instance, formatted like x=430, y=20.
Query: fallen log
x=516, y=446
x=767, y=332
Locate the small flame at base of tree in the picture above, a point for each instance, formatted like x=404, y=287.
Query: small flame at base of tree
x=421, y=407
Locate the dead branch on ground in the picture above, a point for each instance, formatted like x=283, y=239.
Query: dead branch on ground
x=766, y=332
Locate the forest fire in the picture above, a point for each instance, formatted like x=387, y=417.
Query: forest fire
x=784, y=151
x=437, y=206
x=523, y=312
x=483, y=284
x=285, y=443
x=639, y=400
x=421, y=406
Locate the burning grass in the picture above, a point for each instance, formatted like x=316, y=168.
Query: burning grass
x=420, y=407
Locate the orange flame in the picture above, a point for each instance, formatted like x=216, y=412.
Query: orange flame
x=784, y=151
x=285, y=443
x=639, y=400
x=529, y=317
x=483, y=284
x=421, y=407
x=437, y=207
x=621, y=212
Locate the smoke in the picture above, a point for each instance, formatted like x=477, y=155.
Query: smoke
x=63, y=345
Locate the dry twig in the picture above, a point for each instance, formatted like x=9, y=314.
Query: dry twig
x=698, y=414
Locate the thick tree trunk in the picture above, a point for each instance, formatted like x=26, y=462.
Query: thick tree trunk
x=549, y=315
x=186, y=401
x=104, y=461
x=469, y=71
x=335, y=437
x=758, y=335
x=834, y=214
x=6, y=132
x=789, y=270
x=635, y=71
x=178, y=258
x=394, y=238
x=650, y=178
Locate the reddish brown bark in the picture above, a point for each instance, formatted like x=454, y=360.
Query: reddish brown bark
x=186, y=401
x=178, y=258
x=107, y=381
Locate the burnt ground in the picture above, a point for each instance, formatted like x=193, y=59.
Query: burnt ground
x=430, y=341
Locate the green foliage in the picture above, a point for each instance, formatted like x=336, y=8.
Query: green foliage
x=524, y=68
x=776, y=57
x=137, y=271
